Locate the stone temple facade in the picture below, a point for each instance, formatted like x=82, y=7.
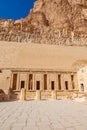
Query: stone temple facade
x=39, y=67
x=82, y=79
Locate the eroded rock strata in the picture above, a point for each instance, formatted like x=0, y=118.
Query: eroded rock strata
x=61, y=22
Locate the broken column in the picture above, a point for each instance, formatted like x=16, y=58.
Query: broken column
x=54, y=94
x=9, y=93
x=38, y=95
x=23, y=94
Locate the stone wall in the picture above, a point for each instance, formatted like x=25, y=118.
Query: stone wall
x=16, y=55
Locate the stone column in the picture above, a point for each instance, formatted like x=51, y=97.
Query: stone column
x=33, y=81
x=56, y=82
x=23, y=94
x=54, y=94
x=42, y=82
x=9, y=93
x=69, y=82
x=38, y=95
x=76, y=82
x=48, y=82
x=27, y=81
x=18, y=81
x=62, y=82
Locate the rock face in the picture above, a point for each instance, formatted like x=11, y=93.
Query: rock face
x=62, y=22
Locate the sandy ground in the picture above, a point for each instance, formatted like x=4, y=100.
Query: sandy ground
x=43, y=115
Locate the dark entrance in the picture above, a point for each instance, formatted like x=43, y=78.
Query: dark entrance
x=66, y=85
x=82, y=87
x=14, y=81
x=30, y=86
x=22, y=84
x=37, y=85
x=59, y=82
x=45, y=81
x=52, y=85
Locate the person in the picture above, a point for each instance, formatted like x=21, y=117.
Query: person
x=82, y=87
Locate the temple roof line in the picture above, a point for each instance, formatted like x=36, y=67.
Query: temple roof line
x=38, y=70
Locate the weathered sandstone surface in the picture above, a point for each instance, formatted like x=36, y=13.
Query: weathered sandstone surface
x=60, y=22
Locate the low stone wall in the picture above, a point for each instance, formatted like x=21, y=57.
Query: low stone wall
x=30, y=95
x=43, y=95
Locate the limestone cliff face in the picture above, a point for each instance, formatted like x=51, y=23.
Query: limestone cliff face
x=62, y=22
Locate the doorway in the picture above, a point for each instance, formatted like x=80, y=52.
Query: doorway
x=37, y=85
x=30, y=85
x=22, y=84
x=59, y=82
x=14, y=81
x=45, y=81
x=82, y=87
x=66, y=85
x=52, y=85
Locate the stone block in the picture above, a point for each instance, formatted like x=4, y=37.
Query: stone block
x=54, y=94
x=38, y=95
x=23, y=94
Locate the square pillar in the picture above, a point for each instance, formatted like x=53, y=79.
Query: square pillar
x=54, y=94
x=23, y=94
x=18, y=81
x=27, y=81
x=56, y=82
x=33, y=81
x=42, y=82
x=76, y=82
x=38, y=95
x=48, y=82
x=62, y=82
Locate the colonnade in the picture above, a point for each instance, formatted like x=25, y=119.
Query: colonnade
x=44, y=81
